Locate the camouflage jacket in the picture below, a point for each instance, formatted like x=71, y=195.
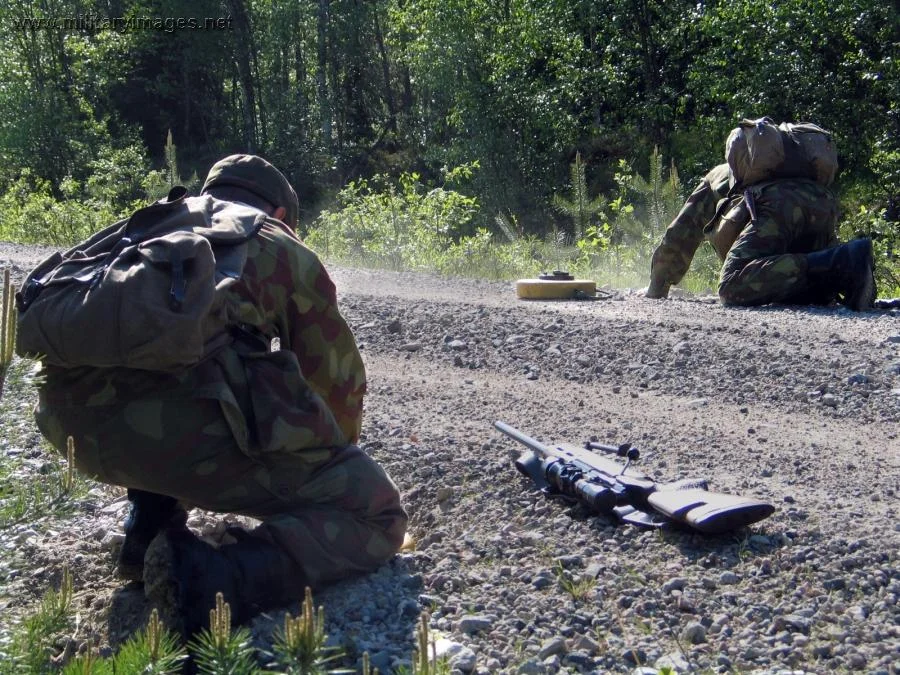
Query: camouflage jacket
x=673, y=256
x=307, y=395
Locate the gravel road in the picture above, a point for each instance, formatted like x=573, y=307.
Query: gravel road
x=797, y=406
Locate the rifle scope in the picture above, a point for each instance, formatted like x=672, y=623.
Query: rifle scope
x=570, y=480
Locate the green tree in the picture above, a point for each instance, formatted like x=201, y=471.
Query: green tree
x=802, y=60
x=578, y=205
x=661, y=195
x=47, y=119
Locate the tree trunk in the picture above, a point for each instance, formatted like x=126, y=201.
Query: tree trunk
x=321, y=73
x=186, y=100
x=386, y=73
x=242, y=58
x=300, y=73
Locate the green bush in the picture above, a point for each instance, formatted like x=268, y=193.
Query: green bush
x=32, y=215
x=481, y=255
x=866, y=221
x=117, y=177
x=401, y=226
x=33, y=642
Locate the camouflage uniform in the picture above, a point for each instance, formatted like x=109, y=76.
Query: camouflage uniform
x=766, y=262
x=249, y=431
x=673, y=256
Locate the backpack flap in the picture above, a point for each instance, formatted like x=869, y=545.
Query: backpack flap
x=754, y=150
x=165, y=311
x=84, y=259
x=759, y=150
x=144, y=222
x=229, y=225
x=62, y=267
x=153, y=300
x=814, y=150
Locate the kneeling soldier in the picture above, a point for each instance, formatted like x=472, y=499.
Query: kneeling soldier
x=250, y=431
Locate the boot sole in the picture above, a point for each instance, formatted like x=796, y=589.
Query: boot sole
x=160, y=585
x=865, y=298
x=862, y=297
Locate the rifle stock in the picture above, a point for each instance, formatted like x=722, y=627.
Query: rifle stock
x=709, y=512
x=606, y=486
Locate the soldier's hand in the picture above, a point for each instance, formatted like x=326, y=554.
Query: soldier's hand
x=656, y=290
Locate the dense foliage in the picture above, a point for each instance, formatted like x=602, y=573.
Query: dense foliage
x=346, y=95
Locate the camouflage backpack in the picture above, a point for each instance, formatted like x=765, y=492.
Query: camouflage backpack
x=759, y=150
x=147, y=292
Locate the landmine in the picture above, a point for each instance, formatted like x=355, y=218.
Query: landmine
x=557, y=285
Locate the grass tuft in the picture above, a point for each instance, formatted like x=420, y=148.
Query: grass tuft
x=219, y=649
x=7, y=326
x=32, y=648
x=578, y=588
x=300, y=648
x=422, y=664
x=35, y=497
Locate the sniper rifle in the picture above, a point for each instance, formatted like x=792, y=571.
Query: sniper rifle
x=605, y=486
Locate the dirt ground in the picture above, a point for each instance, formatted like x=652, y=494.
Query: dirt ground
x=798, y=406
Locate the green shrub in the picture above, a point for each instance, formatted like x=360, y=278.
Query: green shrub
x=117, y=177
x=482, y=256
x=33, y=640
x=32, y=215
x=151, y=651
x=401, y=226
x=871, y=222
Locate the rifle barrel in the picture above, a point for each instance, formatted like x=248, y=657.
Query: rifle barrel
x=524, y=439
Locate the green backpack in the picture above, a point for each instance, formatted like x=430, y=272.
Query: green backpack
x=759, y=150
x=147, y=292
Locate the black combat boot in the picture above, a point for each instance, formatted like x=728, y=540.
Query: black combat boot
x=149, y=514
x=182, y=575
x=846, y=271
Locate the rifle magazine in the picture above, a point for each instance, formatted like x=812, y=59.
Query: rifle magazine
x=633, y=516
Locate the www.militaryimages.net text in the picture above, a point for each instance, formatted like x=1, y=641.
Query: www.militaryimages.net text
x=95, y=23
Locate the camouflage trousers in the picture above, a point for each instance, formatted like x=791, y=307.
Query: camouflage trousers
x=767, y=262
x=334, y=511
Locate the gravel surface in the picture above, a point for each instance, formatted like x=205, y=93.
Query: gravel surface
x=797, y=406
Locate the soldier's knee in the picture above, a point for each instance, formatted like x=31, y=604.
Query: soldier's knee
x=729, y=293
x=391, y=518
x=745, y=292
x=393, y=527
x=733, y=292
x=735, y=287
